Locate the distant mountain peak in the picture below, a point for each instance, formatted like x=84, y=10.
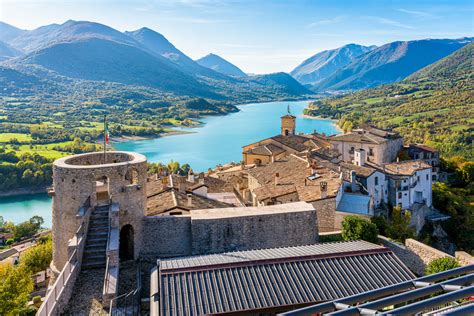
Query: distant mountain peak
x=219, y=64
x=323, y=64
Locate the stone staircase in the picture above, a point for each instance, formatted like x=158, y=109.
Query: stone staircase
x=94, y=256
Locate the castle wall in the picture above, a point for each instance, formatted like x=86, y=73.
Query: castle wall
x=253, y=232
x=174, y=236
x=166, y=236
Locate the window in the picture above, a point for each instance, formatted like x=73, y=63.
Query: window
x=427, y=177
x=399, y=195
x=417, y=178
x=371, y=151
x=376, y=180
x=351, y=151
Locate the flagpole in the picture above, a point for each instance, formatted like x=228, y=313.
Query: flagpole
x=105, y=136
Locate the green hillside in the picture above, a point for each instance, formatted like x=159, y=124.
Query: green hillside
x=434, y=105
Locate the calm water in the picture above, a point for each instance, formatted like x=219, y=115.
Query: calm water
x=22, y=207
x=219, y=140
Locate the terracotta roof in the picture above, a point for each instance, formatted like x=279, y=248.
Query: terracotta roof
x=266, y=150
x=405, y=168
x=360, y=137
x=422, y=147
x=214, y=185
x=293, y=173
x=296, y=142
x=173, y=199
x=363, y=171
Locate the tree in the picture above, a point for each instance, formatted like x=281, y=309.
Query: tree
x=356, y=228
x=399, y=225
x=37, y=258
x=15, y=287
x=467, y=171
x=37, y=221
x=441, y=264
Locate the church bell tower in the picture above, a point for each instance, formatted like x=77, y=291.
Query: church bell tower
x=288, y=123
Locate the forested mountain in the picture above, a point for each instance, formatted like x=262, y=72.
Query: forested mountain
x=389, y=63
x=82, y=50
x=7, y=52
x=220, y=65
x=321, y=65
x=434, y=105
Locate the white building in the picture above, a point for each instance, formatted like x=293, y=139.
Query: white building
x=409, y=182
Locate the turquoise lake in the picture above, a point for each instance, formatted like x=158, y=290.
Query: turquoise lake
x=218, y=140
x=221, y=138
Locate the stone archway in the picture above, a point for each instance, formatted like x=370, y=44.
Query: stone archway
x=126, y=243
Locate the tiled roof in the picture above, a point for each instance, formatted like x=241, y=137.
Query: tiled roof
x=271, y=278
x=422, y=147
x=360, y=137
x=296, y=142
x=172, y=199
x=266, y=150
x=405, y=168
x=293, y=173
x=363, y=171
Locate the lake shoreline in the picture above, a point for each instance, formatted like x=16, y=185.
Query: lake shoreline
x=24, y=191
x=318, y=117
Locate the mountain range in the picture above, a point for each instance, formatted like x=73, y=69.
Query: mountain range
x=323, y=64
x=82, y=50
x=354, y=67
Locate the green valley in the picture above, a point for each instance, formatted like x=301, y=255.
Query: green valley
x=434, y=106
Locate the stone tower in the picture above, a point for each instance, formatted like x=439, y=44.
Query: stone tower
x=92, y=179
x=288, y=124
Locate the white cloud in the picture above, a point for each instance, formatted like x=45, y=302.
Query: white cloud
x=390, y=22
x=334, y=20
x=420, y=14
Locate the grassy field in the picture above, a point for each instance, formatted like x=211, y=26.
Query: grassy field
x=6, y=137
x=43, y=150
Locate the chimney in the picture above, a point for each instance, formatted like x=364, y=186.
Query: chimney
x=190, y=200
x=324, y=189
x=181, y=184
x=353, y=181
x=398, y=159
x=242, y=165
x=308, y=155
x=201, y=178
x=191, y=176
x=156, y=177
x=277, y=176
x=272, y=159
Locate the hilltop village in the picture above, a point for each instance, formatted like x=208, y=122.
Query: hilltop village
x=245, y=238
x=353, y=173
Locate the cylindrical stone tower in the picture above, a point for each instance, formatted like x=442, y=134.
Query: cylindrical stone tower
x=92, y=178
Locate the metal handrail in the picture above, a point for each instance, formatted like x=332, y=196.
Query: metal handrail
x=58, y=286
x=131, y=298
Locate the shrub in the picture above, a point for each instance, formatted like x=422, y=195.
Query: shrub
x=356, y=228
x=37, y=258
x=15, y=287
x=37, y=301
x=441, y=264
x=399, y=226
x=381, y=224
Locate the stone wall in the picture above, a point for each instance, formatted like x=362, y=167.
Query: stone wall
x=166, y=236
x=254, y=232
x=326, y=212
x=265, y=227
x=464, y=258
x=414, y=254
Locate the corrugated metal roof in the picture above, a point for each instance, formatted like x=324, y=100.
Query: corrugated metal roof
x=268, y=278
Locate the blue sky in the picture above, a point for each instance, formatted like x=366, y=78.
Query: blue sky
x=259, y=36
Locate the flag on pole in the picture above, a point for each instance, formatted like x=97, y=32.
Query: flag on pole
x=106, y=133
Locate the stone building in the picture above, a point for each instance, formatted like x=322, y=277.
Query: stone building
x=379, y=145
x=90, y=180
x=105, y=214
x=286, y=143
x=427, y=154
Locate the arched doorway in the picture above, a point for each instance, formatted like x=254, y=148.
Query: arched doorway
x=126, y=243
